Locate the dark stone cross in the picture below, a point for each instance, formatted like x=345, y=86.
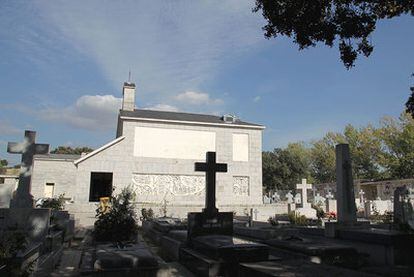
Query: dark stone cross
x=28, y=148
x=210, y=167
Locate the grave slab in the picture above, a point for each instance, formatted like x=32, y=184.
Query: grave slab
x=230, y=249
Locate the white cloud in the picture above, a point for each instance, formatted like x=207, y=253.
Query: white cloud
x=7, y=129
x=257, y=99
x=90, y=112
x=168, y=46
x=163, y=107
x=197, y=98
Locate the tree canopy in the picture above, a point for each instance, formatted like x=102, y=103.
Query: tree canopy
x=378, y=153
x=70, y=150
x=347, y=22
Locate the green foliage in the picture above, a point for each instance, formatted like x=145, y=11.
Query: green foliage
x=348, y=24
x=398, y=146
x=147, y=215
x=119, y=224
x=319, y=211
x=70, y=150
x=378, y=153
x=323, y=157
x=3, y=163
x=57, y=204
x=11, y=242
x=283, y=168
x=297, y=219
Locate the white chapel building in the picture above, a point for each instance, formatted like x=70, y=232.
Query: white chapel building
x=154, y=152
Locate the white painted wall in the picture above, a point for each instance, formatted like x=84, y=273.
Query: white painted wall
x=173, y=143
x=241, y=147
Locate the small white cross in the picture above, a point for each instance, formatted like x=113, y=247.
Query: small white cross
x=361, y=196
x=304, y=187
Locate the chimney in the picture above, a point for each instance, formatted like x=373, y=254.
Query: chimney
x=128, y=99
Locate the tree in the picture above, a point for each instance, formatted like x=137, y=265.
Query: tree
x=323, y=157
x=398, y=142
x=409, y=105
x=70, y=150
x=366, y=151
x=350, y=22
x=283, y=168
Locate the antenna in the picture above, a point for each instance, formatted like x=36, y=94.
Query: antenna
x=129, y=76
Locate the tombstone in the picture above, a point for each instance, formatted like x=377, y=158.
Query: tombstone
x=361, y=197
x=298, y=199
x=289, y=197
x=345, y=185
x=266, y=199
x=306, y=209
x=331, y=206
x=290, y=202
x=329, y=195
x=21, y=215
x=319, y=200
x=210, y=233
x=275, y=197
x=403, y=208
x=346, y=208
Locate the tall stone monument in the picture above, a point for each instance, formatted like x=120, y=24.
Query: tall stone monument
x=345, y=185
x=346, y=208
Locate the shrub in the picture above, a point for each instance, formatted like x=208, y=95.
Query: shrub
x=319, y=211
x=56, y=204
x=11, y=242
x=297, y=219
x=147, y=215
x=119, y=224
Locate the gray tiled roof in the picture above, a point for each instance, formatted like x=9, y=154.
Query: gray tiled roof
x=178, y=116
x=58, y=156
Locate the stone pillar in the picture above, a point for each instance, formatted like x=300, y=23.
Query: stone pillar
x=345, y=185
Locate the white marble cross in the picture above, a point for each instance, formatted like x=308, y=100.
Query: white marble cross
x=304, y=187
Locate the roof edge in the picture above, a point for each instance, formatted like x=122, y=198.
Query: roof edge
x=94, y=152
x=261, y=127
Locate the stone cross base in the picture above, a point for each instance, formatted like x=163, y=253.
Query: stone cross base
x=24, y=201
x=308, y=212
x=332, y=228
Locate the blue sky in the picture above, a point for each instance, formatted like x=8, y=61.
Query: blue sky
x=63, y=64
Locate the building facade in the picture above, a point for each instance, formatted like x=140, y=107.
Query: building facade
x=154, y=153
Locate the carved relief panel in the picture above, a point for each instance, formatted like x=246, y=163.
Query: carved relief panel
x=163, y=184
x=241, y=185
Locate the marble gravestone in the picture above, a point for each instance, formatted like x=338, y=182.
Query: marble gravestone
x=211, y=232
x=306, y=209
x=210, y=221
